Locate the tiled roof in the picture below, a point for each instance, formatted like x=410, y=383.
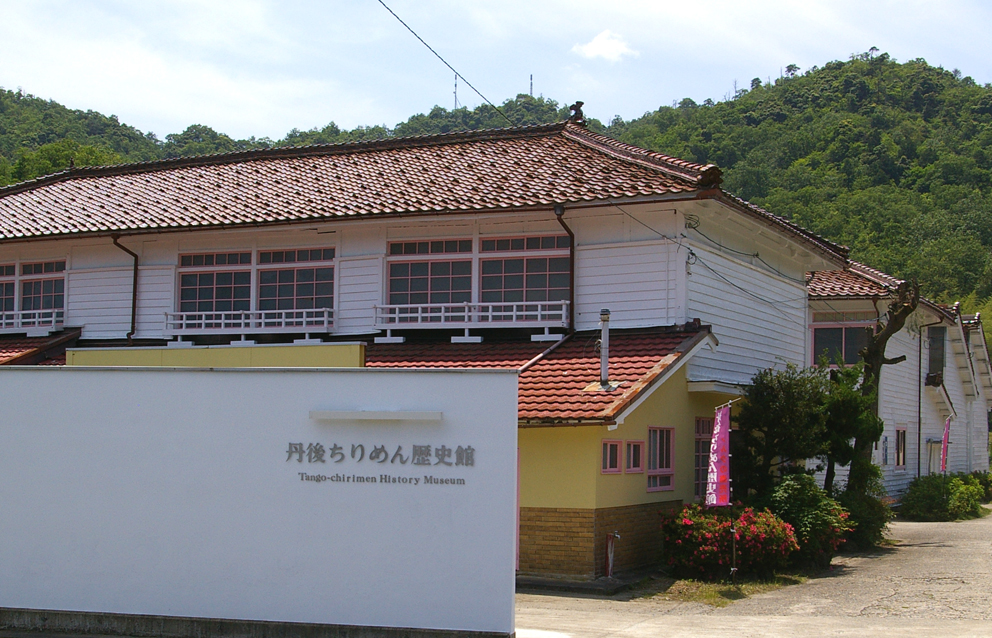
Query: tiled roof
x=502, y=169
x=484, y=170
x=552, y=390
x=844, y=283
x=790, y=227
x=16, y=350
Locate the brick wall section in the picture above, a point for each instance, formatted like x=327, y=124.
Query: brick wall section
x=556, y=541
x=640, y=541
x=572, y=542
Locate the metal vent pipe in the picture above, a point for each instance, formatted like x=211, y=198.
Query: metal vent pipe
x=604, y=348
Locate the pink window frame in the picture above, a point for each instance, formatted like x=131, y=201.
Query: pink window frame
x=509, y=249
x=700, y=479
x=639, y=469
x=605, y=456
x=666, y=471
x=904, y=455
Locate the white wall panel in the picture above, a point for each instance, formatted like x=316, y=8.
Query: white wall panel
x=635, y=281
x=184, y=499
x=359, y=288
x=100, y=302
x=754, y=333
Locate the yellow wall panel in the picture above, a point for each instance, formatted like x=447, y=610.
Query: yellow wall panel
x=346, y=355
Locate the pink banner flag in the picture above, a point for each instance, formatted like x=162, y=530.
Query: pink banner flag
x=943, y=445
x=718, y=480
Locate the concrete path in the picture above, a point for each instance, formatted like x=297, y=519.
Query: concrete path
x=936, y=582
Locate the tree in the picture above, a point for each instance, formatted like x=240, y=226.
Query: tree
x=57, y=156
x=850, y=415
x=904, y=304
x=781, y=422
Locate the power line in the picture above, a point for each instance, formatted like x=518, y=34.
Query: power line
x=438, y=55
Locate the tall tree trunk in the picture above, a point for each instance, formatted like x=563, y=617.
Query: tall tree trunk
x=828, y=479
x=906, y=301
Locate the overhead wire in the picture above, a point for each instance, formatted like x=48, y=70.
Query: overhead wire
x=677, y=240
x=455, y=71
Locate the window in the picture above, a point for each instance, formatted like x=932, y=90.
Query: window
x=524, y=279
x=900, y=447
x=611, y=457
x=704, y=437
x=513, y=244
x=839, y=343
x=41, y=289
x=935, y=340
x=437, y=247
x=296, y=289
x=661, y=471
x=430, y=282
x=7, y=288
x=635, y=457
x=305, y=288
x=885, y=450
x=224, y=291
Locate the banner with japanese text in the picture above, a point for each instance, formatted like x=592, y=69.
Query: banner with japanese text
x=943, y=445
x=718, y=480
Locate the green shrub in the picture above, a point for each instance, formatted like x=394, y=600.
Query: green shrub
x=698, y=542
x=926, y=499
x=985, y=481
x=869, y=511
x=819, y=522
x=966, y=498
x=936, y=497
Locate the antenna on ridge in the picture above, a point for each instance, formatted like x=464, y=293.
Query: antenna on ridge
x=456, y=90
x=532, y=85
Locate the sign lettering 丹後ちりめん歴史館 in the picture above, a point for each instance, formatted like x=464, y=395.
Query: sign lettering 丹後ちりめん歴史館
x=464, y=456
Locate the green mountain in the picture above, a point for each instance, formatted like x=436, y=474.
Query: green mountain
x=891, y=159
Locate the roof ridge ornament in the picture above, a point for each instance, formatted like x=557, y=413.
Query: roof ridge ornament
x=577, y=117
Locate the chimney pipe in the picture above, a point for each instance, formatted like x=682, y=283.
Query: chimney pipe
x=604, y=349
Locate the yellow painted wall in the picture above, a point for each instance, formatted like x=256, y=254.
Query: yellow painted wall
x=336, y=355
x=562, y=466
x=558, y=466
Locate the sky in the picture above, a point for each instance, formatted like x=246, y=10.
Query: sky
x=261, y=68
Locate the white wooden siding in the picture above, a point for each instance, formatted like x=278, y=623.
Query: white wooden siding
x=99, y=301
x=156, y=296
x=635, y=281
x=359, y=288
x=754, y=333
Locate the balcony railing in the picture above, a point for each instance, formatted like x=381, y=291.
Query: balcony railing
x=543, y=314
x=178, y=324
x=33, y=322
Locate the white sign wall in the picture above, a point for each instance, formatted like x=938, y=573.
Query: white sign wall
x=249, y=494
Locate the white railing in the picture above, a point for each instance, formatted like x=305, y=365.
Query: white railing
x=534, y=314
x=248, y=322
x=33, y=322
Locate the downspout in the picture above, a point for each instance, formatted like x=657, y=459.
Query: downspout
x=919, y=399
x=560, y=214
x=134, y=290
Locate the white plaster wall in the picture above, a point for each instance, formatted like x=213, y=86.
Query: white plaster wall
x=169, y=492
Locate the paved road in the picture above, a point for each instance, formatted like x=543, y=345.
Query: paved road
x=936, y=582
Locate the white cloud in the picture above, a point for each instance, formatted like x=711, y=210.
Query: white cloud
x=607, y=45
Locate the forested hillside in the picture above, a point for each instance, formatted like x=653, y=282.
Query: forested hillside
x=893, y=160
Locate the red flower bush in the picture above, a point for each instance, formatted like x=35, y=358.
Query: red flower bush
x=698, y=542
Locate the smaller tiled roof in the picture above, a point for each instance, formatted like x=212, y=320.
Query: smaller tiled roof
x=856, y=281
x=21, y=350
x=554, y=382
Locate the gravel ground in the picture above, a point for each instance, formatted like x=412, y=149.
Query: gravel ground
x=937, y=580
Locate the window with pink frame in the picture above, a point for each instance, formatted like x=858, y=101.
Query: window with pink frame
x=635, y=457
x=661, y=466
x=611, y=456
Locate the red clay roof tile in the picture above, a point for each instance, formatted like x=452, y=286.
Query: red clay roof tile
x=517, y=168
x=553, y=389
